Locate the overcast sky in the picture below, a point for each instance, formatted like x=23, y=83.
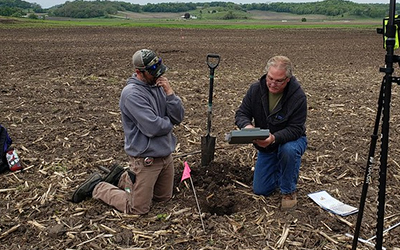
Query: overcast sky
x=51, y=3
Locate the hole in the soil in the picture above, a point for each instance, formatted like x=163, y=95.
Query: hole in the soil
x=221, y=210
x=222, y=204
x=218, y=193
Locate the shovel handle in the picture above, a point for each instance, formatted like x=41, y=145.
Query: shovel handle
x=212, y=62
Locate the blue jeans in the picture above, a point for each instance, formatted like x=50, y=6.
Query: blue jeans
x=279, y=169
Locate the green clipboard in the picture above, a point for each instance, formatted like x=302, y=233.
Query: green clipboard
x=246, y=135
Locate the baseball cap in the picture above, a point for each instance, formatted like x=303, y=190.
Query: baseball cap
x=147, y=60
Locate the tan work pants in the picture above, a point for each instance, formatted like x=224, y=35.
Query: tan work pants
x=154, y=182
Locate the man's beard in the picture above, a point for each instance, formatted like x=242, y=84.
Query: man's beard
x=151, y=81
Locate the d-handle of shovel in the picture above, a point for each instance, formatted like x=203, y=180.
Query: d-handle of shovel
x=212, y=62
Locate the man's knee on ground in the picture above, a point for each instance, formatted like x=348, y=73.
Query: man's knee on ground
x=289, y=151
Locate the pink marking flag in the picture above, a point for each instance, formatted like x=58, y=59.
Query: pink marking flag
x=186, y=172
x=186, y=175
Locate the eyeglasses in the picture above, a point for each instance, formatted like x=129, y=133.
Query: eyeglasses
x=276, y=81
x=155, y=65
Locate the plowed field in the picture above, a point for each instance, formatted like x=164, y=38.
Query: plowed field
x=60, y=89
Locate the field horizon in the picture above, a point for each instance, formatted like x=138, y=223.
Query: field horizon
x=256, y=20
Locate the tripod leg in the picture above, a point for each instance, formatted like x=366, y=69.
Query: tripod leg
x=383, y=167
x=368, y=170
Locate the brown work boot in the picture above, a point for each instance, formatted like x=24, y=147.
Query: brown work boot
x=289, y=201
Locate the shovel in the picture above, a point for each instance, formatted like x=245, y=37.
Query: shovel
x=208, y=141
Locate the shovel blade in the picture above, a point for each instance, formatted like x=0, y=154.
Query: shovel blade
x=207, y=150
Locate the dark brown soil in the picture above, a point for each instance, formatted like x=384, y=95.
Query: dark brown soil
x=59, y=92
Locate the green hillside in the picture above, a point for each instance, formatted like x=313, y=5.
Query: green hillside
x=209, y=10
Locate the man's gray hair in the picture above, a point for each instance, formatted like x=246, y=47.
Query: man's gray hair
x=280, y=62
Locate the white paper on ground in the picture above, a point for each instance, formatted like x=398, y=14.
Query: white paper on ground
x=327, y=202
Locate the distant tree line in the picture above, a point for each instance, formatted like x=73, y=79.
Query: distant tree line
x=104, y=8
x=326, y=7
x=168, y=7
x=87, y=9
x=18, y=8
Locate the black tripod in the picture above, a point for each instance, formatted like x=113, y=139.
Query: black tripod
x=383, y=105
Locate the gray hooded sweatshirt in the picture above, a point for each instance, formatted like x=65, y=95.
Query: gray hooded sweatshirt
x=148, y=117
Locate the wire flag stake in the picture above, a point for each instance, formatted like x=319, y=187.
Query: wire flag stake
x=186, y=175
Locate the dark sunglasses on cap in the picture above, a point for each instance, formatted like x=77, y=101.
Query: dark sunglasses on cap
x=154, y=66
